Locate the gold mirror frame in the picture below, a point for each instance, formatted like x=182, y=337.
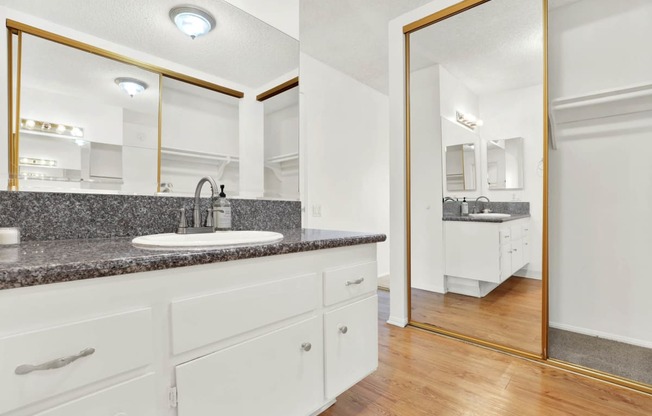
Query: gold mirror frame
x=543, y=357
x=17, y=29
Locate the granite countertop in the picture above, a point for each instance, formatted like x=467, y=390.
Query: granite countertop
x=42, y=262
x=469, y=219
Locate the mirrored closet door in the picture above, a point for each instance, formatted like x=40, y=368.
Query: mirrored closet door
x=601, y=187
x=476, y=140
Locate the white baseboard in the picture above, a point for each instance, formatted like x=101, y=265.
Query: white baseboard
x=530, y=274
x=383, y=281
x=323, y=408
x=400, y=322
x=600, y=334
x=431, y=288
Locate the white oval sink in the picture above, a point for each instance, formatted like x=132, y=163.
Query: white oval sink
x=216, y=239
x=490, y=215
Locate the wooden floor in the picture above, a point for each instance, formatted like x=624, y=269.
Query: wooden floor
x=421, y=373
x=510, y=315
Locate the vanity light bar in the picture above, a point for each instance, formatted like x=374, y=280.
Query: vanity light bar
x=30, y=161
x=468, y=120
x=63, y=130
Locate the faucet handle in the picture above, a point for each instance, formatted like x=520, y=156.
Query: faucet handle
x=183, y=222
x=209, y=218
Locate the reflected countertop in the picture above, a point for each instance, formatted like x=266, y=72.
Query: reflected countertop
x=467, y=218
x=42, y=262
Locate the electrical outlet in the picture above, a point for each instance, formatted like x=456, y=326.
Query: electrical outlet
x=316, y=210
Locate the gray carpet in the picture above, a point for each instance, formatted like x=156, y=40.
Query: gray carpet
x=613, y=357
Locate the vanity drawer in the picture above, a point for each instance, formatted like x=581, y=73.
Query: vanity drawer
x=207, y=319
x=111, y=344
x=133, y=398
x=351, y=344
x=344, y=283
x=505, y=235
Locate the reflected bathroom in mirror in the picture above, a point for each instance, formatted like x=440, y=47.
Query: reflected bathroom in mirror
x=505, y=163
x=150, y=120
x=481, y=73
x=79, y=129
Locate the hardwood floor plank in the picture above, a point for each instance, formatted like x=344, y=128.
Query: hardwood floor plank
x=422, y=374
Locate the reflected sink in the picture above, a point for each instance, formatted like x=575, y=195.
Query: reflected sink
x=216, y=239
x=490, y=215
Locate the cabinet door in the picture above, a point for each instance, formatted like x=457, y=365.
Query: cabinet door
x=132, y=398
x=517, y=256
x=276, y=374
x=505, y=261
x=351, y=338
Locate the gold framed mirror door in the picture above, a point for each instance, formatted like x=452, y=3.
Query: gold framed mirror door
x=476, y=76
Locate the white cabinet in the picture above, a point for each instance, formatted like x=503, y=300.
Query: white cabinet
x=279, y=374
x=351, y=341
x=248, y=337
x=481, y=255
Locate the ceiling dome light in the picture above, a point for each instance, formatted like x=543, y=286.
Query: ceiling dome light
x=192, y=21
x=131, y=86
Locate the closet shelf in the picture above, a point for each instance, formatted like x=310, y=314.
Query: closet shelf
x=290, y=157
x=595, y=106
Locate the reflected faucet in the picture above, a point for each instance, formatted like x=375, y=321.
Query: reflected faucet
x=475, y=207
x=448, y=198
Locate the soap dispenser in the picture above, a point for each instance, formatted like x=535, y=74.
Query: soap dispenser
x=465, y=207
x=222, y=211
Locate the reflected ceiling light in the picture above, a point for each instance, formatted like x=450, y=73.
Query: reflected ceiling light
x=192, y=21
x=468, y=120
x=131, y=86
x=47, y=128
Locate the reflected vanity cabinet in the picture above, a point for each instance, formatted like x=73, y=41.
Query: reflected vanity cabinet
x=485, y=251
x=281, y=335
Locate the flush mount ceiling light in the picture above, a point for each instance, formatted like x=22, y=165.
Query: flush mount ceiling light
x=192, y=21
x=468, y=120
x=131, y=86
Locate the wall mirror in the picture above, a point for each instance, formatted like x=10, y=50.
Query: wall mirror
x=505, y=163
x=480, y=72
x=166, y=130
x=460, y=167
x=600, y=286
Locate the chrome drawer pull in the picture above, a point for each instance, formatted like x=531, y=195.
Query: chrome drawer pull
x=54, y=364
x=306, y=346
x=343, y=329
x=355, y=282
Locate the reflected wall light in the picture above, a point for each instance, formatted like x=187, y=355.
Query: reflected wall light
x=192, y=20
x=131, y=86
x=468, y=120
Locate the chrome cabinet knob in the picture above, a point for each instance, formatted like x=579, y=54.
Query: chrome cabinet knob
x=354, y=282
x=343, y=329
x=306, y=346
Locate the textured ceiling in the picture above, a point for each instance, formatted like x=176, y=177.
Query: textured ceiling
x=352, y=35
x=496, y=46
x=242, y=48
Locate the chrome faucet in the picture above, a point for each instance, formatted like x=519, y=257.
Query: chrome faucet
x=197, y=227
x=448, y=198
x=475, y=207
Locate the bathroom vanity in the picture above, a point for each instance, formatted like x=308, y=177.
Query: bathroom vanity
x=481, y=253
x=278, y=329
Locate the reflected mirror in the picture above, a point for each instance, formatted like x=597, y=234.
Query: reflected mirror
x=476, y=89
x=79, y=130
x=505, y=163
x=460, y=167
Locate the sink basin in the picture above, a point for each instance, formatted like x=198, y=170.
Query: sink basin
x=490, y=215
x=216, y=239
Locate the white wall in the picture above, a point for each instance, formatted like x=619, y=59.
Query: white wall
x=282, y=138
x=601, y=184
x=427, y=249
x=518, y=113
x=345, y=142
